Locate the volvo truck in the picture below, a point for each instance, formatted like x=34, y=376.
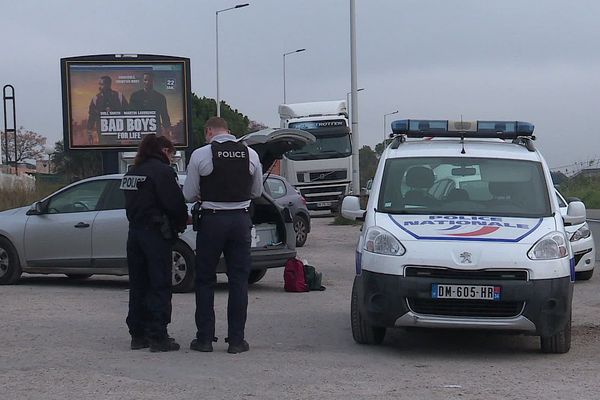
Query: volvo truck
x=321, y=171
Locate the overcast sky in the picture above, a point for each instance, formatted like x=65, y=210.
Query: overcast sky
x=534, y=60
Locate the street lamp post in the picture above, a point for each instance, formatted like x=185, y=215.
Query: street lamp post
x=384, y=117
x=285, y=54
x=348, y=107
x=217, y=48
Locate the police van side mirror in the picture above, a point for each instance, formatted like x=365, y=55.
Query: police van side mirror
x=575, y=213
x=351, y=208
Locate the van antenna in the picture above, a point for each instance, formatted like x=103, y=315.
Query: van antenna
x=462, y=137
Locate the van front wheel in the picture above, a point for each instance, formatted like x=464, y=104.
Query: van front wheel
x=362, y=331
x=559, y=343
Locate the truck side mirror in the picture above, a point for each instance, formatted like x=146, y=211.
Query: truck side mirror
x=351, y=209
x=575, y=213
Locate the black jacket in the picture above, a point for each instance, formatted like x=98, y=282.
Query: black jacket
x=152, y=191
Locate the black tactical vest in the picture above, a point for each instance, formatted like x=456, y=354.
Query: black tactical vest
x=230, y=180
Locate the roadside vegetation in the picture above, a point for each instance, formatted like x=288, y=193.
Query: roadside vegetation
x=20, y=196
x=587, y=189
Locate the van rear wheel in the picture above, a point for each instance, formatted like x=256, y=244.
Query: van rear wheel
x=362, y=331
x=559, y=343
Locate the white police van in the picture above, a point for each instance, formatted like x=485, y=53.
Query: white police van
x=463, y=230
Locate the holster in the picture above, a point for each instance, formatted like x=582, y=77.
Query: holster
x=196, y=215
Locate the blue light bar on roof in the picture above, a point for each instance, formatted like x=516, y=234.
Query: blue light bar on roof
x=464, y=129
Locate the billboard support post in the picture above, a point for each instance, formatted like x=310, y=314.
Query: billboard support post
x=6, y=97
x=110, y=162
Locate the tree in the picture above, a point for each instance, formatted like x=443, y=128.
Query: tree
x=202, y=109
x=30, y=146
x=76, y=164
x=368, y=161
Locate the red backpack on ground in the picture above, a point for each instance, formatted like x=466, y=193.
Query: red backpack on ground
x=293, y=276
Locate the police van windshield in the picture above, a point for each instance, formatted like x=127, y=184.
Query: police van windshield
x=464, y=186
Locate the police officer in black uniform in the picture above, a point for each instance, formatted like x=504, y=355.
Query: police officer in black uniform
x=156, y=211
x=224, y=175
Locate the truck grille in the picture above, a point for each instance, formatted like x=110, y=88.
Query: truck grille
x=322, y=176
x=448, y=273
x=466, y=308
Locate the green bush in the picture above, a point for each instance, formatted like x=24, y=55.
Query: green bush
x=585, y=188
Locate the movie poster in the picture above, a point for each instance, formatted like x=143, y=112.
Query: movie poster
x=114, y=105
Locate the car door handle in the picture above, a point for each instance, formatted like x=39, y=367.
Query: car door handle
x=290, y=204
x=82, y=225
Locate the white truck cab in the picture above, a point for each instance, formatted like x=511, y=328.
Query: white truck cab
x=463, y=230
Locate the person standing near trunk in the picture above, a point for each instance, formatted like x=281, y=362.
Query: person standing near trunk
x=156, y=211
x=224, y=175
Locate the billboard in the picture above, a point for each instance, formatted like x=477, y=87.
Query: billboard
x=113, y=101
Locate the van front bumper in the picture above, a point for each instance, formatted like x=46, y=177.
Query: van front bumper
x=536, y=307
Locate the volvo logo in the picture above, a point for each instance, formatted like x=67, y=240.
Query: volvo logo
x=465, y=257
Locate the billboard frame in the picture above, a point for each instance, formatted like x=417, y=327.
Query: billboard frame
x=124, y=59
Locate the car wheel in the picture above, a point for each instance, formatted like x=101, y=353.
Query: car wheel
x=78, y=276
x=256, y=275
x=301, y=229
x=362, y=331
x=559, y=343
x=584, y=275
x=10, y=267
x=182, y=270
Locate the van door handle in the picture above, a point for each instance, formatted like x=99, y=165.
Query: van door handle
x=82, y=225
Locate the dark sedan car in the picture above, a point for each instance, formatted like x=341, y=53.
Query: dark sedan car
x=286, y=195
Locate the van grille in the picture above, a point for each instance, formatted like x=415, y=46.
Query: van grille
x=466, y=308
x=462, y=274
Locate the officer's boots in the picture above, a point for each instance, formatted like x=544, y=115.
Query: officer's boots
x=165, y=344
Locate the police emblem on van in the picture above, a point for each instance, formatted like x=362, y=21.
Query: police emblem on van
x=130, y=182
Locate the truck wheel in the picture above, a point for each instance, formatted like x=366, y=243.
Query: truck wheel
x=362, y=332
x=584, y=275
x=10, y=267
x=182, y=270
x=559, y=343
x=256, y=275
x=301, y=229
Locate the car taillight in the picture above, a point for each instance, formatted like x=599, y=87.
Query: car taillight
x=303, y=200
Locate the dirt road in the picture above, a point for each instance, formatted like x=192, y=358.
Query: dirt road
x=67, y=340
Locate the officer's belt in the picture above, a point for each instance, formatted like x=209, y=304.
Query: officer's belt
x=209, y=211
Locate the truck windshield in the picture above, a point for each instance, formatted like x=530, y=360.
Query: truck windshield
x=464, y=186
x=326, y=146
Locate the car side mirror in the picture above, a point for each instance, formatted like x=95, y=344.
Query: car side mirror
x=36, y=208
x=351, y=209
x=575, y=213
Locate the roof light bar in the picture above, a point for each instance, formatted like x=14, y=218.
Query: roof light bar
x=462, y=129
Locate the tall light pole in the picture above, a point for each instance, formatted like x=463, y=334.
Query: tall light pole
x=353, y=87
x=217, y=49
x=348, y=107
x=286, y=54
x=384, y=116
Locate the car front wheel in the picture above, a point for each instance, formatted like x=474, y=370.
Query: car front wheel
x=362, y=331
x=182, y=271
x=559, y=343
x=10, y=268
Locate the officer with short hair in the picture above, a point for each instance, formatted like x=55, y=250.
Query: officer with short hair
x=156, y=211
x=224, y=175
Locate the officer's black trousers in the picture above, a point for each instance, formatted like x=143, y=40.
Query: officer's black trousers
x=149, y=260
x=227, y=233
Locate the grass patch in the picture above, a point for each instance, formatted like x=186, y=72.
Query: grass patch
x=585, y=188
x=20, y=196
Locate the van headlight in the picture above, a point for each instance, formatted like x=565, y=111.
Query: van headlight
x=549, y=247
x=582, y=233
x=380, y=241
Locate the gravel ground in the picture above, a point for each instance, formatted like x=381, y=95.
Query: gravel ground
x=68, y=340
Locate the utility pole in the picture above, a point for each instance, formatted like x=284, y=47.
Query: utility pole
x=354, y=99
